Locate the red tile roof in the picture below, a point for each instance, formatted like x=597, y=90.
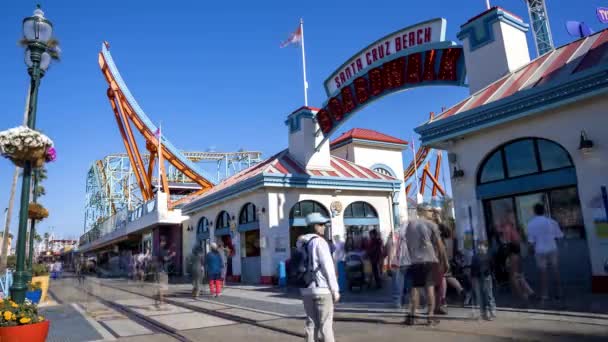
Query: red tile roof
x=367, y=134
x=283, y=163
x=551, y=68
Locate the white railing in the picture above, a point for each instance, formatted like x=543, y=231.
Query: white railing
x=116, y=225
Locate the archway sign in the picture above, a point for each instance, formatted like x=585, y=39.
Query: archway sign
x=415, y=56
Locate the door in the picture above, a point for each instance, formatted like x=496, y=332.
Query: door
x=251, y=263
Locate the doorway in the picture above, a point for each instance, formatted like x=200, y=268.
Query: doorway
x=510, y=215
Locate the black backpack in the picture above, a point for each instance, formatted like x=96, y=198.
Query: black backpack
x=301, y=271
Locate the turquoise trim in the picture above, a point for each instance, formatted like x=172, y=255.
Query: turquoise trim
x=222, y=231
x=480, y=32
x=294, y=120
x=524, y=184
x=524, y=103
x=384, y=166
x=442, y=38
x=369, y=142
x=291, y=181
x=360, y=221
x=245, y=227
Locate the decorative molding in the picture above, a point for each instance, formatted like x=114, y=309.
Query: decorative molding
x=384, y=166
x=291, y=181
x=369, y=142
x=522, y=104
x=480, y=32
x=294, y=121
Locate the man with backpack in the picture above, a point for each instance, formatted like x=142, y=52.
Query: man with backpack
x=316, y=277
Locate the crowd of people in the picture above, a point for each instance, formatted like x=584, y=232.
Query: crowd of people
x=421, y=258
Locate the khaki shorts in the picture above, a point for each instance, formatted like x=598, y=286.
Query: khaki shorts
x=544, y=259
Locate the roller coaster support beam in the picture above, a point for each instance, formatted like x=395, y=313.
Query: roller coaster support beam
x=437, y=171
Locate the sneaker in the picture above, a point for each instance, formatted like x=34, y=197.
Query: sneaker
x=441, y=311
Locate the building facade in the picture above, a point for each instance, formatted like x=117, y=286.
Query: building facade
x=531, y=132
x=357, y=181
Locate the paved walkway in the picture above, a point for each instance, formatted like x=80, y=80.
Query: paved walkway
x=125, y=311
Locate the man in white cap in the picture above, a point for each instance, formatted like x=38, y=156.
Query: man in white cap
x=320, y=295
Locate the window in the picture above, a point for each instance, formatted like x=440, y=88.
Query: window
x=248, y=214
x=383, y=171
x=202, y=226
x=520, y=157
x=223, y=220
x=523, y=157
x=252, y=243
x=494, y=169
x=303, y=208
x=552, y=156
x=360, y=210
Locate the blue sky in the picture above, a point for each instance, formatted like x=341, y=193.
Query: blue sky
x=213, y=73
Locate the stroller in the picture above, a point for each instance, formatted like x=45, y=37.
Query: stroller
x=355, y=273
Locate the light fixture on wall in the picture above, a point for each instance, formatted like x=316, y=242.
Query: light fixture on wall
x=586, y=144
x=190, y=228
x=457, y=173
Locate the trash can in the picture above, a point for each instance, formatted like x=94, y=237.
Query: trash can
x=282, y=272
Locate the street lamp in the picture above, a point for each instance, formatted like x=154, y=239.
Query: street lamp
x=37, y=33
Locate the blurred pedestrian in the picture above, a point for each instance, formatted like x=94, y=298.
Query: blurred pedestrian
x=424, y=246
x=481, y=276
x=542, y=234
x=399, y=262
x=215, y=267
x=375, y=253
x=197, y=270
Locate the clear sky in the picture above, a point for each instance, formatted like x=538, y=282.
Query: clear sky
x=213, y=73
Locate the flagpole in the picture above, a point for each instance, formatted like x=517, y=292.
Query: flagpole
x=416, y=172
x=304, y=64
x=160, y=154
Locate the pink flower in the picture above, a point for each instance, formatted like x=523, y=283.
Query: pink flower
x=51, y=155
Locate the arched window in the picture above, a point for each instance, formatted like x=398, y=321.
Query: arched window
x=248, y=214
x=223, y=220
x=360, y=210
x=303, y=208
x=383, y=171
x=523, y=157
x=203, y=226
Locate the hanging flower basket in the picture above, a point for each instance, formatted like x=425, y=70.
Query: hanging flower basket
x=37, y=212
x=22, y=144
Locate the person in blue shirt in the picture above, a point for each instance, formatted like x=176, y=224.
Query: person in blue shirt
x=215, y=266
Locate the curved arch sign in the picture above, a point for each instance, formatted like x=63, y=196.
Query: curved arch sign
x=415, y=56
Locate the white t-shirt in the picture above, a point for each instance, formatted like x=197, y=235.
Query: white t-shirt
x=542, y=232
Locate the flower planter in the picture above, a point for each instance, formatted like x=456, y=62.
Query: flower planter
x=34, y=296
x=44, y=286
x=25, y=333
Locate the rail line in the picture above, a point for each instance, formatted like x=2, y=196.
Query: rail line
x=214, y=313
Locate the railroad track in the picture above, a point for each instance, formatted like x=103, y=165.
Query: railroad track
x=158, y=327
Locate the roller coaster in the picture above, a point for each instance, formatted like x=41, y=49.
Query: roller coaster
x=128, y=180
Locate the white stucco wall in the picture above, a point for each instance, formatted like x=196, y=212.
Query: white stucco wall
x=274, y=223
x=562, y=125
x=508, y=52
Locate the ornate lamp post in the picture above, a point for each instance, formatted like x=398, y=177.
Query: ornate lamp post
x=37, y=32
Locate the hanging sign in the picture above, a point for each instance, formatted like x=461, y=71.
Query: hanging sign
x=415, y=56
x=417, y=35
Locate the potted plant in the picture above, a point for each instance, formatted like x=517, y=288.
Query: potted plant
x=41, y=275
x=34, y=292
x=21, y=322
x=22, y=144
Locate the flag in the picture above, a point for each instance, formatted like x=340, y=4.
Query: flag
x=294, y=38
